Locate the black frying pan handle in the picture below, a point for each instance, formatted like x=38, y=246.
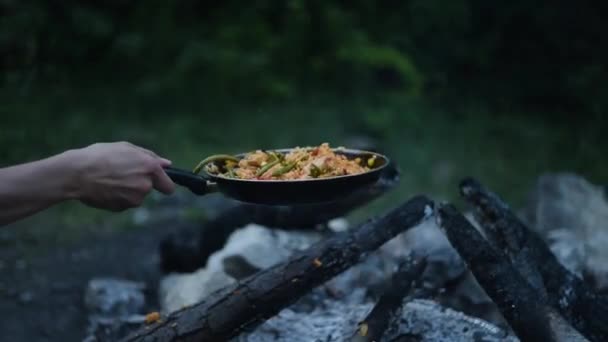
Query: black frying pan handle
x=195, y=183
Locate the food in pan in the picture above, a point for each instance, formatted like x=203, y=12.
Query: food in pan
x=299, y=163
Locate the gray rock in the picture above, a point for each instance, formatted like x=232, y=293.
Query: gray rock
x=115, y=307
x=114, y=297
x=429, y=321
x=258, y=247
x=571, y=214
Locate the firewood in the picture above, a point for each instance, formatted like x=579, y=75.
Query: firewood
x=388, y=306
x=564, y=291
x=515, y=298
x=226, y=313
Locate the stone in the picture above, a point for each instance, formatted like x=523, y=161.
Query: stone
x=259, y=247
x=571, y=214
x=338, y=224
x=114, y=297
x=429, y=321
x=141, y=216
x=115, y=308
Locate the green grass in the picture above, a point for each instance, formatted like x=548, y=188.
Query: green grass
x=435, y=147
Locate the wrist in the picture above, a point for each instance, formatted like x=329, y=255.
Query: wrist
x=69, y=171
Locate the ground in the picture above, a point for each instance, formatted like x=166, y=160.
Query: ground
x=43, y=295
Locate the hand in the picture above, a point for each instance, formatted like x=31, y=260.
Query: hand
x=118, y=176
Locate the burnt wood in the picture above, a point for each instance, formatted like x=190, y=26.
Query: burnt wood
x=244, y=305
x=585, y=309
x=519, y=303
x=388, y=306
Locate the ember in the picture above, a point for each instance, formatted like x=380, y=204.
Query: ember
x=423, y=271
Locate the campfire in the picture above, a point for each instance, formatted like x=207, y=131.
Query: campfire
x=424, y=271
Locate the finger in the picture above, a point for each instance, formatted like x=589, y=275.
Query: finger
x=162, y=182
x=163, y=161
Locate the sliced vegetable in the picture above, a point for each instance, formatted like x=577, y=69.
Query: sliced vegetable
x=214, y=158
x=371, y=161
x=288, y=167
x=314, y=171
x=267, y=167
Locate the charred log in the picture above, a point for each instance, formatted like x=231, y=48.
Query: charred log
x=179, y=254
x=564, y=291
x=519, y=303
x=388, y=306
x=250, y=302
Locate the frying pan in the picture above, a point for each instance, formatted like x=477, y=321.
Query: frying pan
x=282, y=192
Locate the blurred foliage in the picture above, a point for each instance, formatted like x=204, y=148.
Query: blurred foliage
x=551, y=54
x=451, y=88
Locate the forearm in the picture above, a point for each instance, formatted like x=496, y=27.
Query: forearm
x=29, y=188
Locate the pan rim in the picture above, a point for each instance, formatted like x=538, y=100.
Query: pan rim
x=291, y=181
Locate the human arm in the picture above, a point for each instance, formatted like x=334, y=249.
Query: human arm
x=111, y=176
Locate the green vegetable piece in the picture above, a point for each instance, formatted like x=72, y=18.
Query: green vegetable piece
x=267, y=167
x=314, y=171
x=284, y=169
x=213, y=158
x=371, y=161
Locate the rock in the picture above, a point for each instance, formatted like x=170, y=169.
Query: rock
x=338, y=224
x=141, y=216
x=571, y=214
x=114, y=297
x=115, y=308
x=238, y=267
x=429, y=321
x=259, y=247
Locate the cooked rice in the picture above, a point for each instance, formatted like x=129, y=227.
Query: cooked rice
x=306, y=163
